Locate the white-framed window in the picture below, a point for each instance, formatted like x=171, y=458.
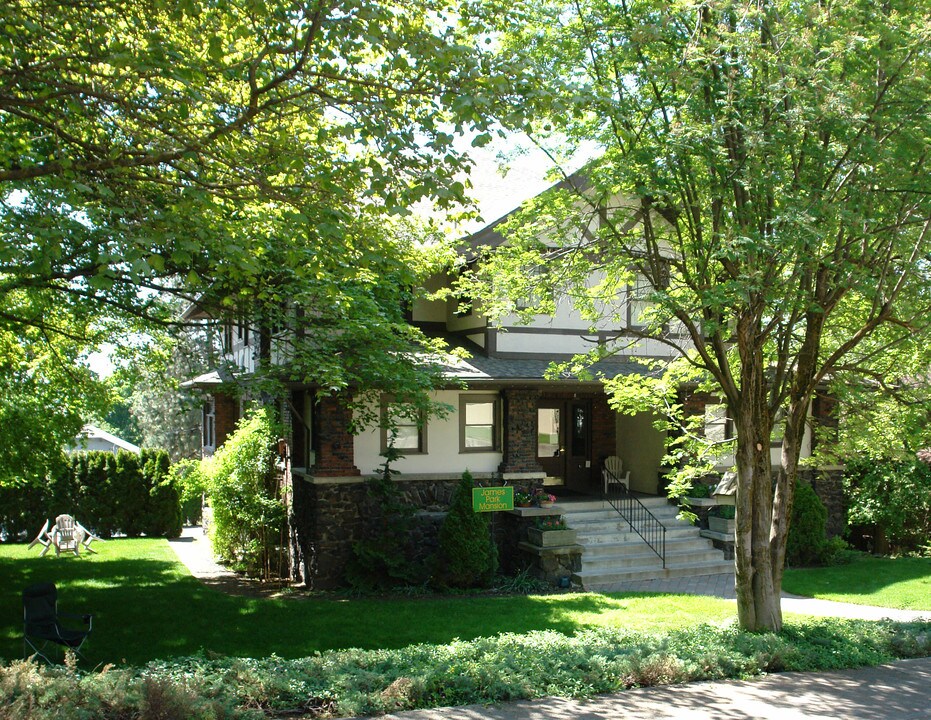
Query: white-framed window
x=479, y=423
x=403, y=426
x=210, y=425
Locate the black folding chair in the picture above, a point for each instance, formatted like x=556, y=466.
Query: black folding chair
x=42, y=622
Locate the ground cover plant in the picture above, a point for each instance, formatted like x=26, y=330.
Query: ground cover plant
x=155, y=656
x=903, y=582
x=148, y=606
x=486, y=670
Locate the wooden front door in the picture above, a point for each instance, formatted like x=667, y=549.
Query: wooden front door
x=564, y=441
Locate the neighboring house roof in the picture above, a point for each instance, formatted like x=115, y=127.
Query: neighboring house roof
x=92, y=437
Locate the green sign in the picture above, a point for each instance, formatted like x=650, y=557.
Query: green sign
x=492, y=499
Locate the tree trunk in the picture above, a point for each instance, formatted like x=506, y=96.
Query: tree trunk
x=758, y=600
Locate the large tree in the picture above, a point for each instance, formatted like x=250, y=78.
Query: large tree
x=762, y=197
x=249, y=155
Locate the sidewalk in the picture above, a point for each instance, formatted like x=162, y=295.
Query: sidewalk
x=898, y=691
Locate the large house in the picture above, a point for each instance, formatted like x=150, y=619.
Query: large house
x=508, y=423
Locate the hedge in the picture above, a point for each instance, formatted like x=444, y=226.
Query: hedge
x=124, y=493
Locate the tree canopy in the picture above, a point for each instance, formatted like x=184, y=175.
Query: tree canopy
x=244, y=155
x=761, y=203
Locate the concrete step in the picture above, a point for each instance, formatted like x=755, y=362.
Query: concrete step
x=684, y=547
x=593, y=579
x=615, y=554
x=646, y=559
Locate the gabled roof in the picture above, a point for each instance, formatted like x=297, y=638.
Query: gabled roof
x=92, y=432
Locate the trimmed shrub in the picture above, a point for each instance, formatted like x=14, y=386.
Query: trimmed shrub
x=807, y=529
x=162, y=517
x=467, y=555
x=107, y=493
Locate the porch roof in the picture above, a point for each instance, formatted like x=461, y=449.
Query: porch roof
x=480, y=369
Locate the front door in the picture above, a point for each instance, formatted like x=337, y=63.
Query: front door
x=564, y=441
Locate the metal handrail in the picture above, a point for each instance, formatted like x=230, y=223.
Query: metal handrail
x=636, y=514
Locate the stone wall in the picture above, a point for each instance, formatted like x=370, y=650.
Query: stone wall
x=331, y=516
x=828, y=484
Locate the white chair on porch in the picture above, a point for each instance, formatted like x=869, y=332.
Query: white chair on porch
x=613, y=473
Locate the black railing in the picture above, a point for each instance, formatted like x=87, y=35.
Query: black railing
x=636, y=514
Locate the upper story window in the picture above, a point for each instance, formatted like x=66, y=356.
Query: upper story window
x=479, y=423
x=403, y=427
x=227, y=337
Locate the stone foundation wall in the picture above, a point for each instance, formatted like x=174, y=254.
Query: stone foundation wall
x=330, y=517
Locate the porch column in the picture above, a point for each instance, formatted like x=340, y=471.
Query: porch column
x=604, y=430
x=335, y=443
x=520, y=435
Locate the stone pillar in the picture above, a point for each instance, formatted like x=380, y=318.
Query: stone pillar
x=520, y=434
x=335, y=442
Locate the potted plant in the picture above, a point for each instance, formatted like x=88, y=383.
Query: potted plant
x=699, y=495
x=721, y=519
x=523, y=499
x=545, y=500
x=551, y=532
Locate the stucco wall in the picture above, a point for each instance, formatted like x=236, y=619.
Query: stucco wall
x=641, y=447
x=442, y=456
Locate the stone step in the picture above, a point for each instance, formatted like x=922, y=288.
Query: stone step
x=589, y=505
x=615, y=554
x=644, y=559
x=591, y=536
x=594, y=580
x=594, y=516
x=683, y=545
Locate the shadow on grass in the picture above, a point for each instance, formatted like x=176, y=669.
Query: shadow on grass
x=146, y=606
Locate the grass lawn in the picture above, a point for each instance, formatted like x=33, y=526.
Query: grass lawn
x=902, y=583
x=146, y=605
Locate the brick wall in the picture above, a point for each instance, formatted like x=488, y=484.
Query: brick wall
x=335, y=442
x=520, y=431
x=227, y=415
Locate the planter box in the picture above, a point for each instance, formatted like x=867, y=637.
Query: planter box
x=551, y=538
x=722, y=525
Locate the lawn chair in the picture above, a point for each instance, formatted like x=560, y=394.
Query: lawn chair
x=41, y=622
x=43, y=539
x=613, y=473
x=69, y=535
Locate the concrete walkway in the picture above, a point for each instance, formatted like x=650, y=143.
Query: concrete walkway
x=898, y=691
x=193, y=550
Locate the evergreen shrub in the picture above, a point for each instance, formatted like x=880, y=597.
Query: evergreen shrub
x=807, y=529
x=467, y=555
x=107, y=493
